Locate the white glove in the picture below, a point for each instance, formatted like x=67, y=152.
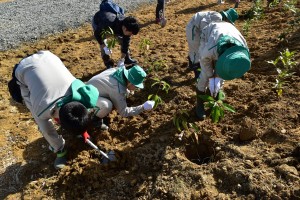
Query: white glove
x=129, y=92
x=107, y=51
x=121, y=63
x=215, y=85
x=148, y=105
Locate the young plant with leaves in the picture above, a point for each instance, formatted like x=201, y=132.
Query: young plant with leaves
x=162, y=86
x=181, y=123
x=148, y=63
x=246, y=27
x=284, y=69
x=110, y=37
x=144, y=47
x=217, y=106
x=256, y=11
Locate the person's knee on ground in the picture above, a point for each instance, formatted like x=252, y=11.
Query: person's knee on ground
x=100, y=119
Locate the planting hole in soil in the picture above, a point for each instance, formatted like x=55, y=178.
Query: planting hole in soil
x=201, y=152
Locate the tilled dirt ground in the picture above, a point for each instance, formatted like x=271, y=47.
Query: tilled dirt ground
x=250, y=154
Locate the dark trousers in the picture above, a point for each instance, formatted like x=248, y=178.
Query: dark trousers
x=159, y=8
x=14, y=87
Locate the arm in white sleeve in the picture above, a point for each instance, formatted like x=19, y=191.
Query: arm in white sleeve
x=206, y=72
x=119, y=101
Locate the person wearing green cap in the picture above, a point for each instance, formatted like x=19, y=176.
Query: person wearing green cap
x=52, y=93
x=224, y=55
x=113, y=85
x=194, y=29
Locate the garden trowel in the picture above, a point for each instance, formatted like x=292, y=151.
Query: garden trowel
x=110, y=156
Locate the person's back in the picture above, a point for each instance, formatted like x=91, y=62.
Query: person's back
x=46, y=78
x=211, y=33
x=106, y=84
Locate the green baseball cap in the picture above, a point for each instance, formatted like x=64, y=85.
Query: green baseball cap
x=233, y=63
x=230, y=14
x=136, y=76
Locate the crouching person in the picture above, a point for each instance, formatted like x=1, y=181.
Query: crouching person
x=224, y=55
x=123, y=27
x=194, y=29
x=113, y=86
x=50, y=91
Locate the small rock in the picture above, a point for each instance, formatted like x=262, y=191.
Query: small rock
x=248, y=130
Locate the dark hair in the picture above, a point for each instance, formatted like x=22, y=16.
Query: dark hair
x=74, y=117
x=131, y=25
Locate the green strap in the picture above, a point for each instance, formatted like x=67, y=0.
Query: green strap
x=50, y=105
x=62, y=154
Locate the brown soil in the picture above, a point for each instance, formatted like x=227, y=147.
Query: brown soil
x=251, y=154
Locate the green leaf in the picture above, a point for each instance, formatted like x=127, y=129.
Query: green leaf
x=206, y=98
x=150, y=96
x=178, y=125
x=184, y=124
x=194, y=126
x=215, y=114
x=221, y=95
x=228, y=107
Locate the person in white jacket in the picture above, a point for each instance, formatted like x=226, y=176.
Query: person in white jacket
x=194, y=29
x=113, y=86
x=224, y=55
x=51, y=92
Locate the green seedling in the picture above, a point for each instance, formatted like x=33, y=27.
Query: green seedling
x=159, y=64
x=144, y=46
x=180, y=121
x=256, y=11
x=292, y=6
x=217, y=106
x=162, y=86
x=274, y=3
x=284, y=64
x=246, y=27
x=109, y=35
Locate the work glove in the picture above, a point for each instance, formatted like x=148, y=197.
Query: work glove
x=148, y=105
x=121, y=63
x=215, y=84
x=107, y=51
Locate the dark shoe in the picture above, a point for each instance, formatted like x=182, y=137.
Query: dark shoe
x=236, y=5
x=100, y=123
x=61, y=159
x=129, y=61
x=108, y=62
x=200, y=111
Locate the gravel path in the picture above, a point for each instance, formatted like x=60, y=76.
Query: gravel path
x=29, y=20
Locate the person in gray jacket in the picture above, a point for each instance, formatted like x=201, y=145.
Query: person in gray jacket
x=194, y=29
x=52, y=93
x=224, y=55
x=113, y=86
